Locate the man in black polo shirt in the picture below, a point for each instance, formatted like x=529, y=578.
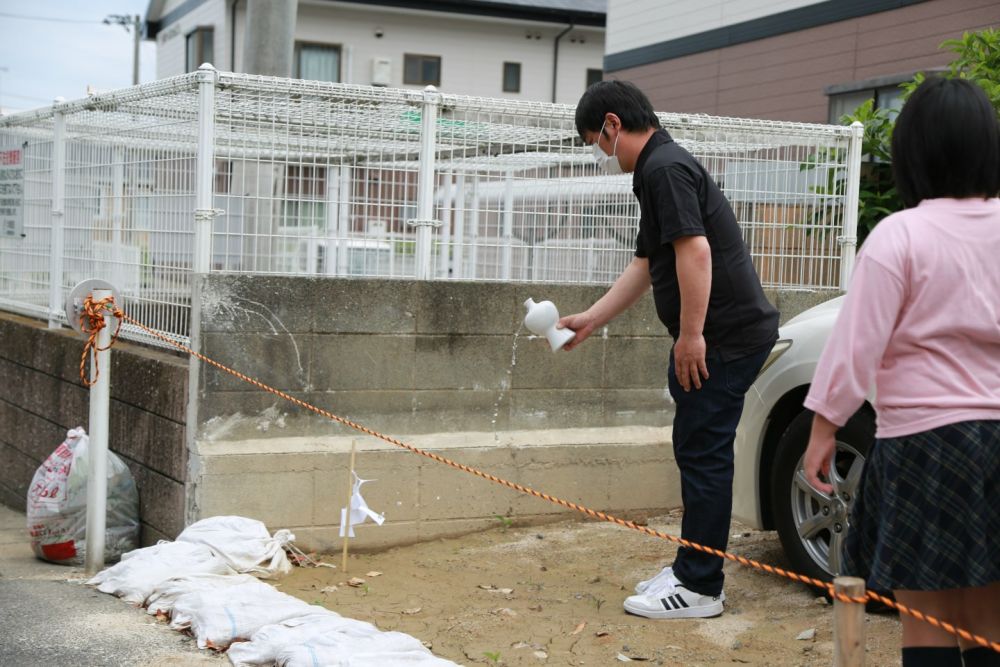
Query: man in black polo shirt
x=690, y=250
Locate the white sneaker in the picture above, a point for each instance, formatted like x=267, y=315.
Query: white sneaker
x=674, y=601
x=666, y=574
x=664, y=578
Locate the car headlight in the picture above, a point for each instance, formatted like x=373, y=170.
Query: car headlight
x=779, y=349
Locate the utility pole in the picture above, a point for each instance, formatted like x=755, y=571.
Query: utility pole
x=270, y=37
x=133, y=24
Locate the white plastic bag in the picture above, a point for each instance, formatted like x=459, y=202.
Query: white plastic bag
x=219, y=617
x=57, y=505
x=139, y=573
x=244, y=543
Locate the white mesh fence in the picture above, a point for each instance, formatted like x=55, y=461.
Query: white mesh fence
x=311, y=178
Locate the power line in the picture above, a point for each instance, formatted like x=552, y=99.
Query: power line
x=51, y=19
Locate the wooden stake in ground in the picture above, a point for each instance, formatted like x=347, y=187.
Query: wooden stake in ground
x=848, y=623
x=347, y=515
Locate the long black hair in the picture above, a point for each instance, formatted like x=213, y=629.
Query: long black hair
x=946, y=143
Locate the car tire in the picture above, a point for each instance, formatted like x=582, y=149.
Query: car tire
x=798, y=509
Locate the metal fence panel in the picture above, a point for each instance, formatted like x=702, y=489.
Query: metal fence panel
x=313, y=178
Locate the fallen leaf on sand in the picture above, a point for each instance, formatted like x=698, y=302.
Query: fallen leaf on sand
x=415, y=610
x=355, y=581
x=328, y=589
x=373, y=573
x=579, y=628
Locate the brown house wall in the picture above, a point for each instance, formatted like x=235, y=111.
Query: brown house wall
x=783, y=77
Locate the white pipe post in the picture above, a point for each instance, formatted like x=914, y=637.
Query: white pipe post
x=458, y=268
x=474, y=232
x=507, y=235
x=849, y=238
x=117, y=215
x=444, y=245
x=344, y=220
x=425, y=182
x=204, y=213
x=97, y=472
x=56, y=305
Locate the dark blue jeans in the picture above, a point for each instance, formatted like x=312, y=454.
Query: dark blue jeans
x=703, y=434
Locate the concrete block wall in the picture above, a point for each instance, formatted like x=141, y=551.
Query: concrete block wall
x=42, y=398
x=429, y=363
x=419, y=357
x=432, y=364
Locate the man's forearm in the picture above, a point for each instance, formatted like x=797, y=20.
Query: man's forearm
x=633, y=282
x=694, y=277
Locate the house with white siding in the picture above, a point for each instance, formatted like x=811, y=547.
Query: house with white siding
x=539, y=50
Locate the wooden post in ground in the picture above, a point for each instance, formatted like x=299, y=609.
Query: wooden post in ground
x=848, y=623
x=346, y=524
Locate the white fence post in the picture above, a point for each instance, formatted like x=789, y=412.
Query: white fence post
x=458, y=261
x=97, y=456
x=56, y=305
x=849, y=236
x=204, y=213
x=425, y=221
x=117, y=216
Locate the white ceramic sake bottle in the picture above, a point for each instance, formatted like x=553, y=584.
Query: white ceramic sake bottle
x=541, y=320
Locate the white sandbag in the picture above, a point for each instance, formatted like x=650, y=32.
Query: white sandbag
x=218, y=618
x=142, y=570
x=163, y=597
x=244, y=543
x=330, y=640
x=388, y=648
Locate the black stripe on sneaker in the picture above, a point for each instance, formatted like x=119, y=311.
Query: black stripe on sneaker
x=680, y=600
x=667, y=604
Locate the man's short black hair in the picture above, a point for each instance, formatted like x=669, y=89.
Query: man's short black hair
x=620, y=98
x=946, y=143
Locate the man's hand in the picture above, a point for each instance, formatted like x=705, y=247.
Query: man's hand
x=689, y=361
x=582, y=323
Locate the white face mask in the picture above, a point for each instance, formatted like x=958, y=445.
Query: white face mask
x=609, y=164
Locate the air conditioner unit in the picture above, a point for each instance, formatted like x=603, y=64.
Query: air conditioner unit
x=381, y=71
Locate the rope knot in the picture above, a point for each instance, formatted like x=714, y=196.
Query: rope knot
x=91, y=322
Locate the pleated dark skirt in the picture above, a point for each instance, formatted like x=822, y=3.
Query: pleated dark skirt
x=928, y=513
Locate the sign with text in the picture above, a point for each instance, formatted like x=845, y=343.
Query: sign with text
x=12, y=193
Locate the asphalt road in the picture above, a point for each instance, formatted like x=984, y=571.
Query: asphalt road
x=49, y=617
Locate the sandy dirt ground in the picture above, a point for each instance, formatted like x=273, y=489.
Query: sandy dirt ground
x=553, y=595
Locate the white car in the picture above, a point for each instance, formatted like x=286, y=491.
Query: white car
x=769, y=490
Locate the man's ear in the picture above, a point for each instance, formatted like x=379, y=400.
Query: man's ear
x=612, y=120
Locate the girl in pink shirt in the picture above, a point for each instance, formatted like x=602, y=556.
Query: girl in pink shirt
x=921, y=323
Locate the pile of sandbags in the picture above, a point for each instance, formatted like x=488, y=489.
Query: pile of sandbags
x=201, y=583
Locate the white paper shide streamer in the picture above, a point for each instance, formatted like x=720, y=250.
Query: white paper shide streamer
x=358, y=511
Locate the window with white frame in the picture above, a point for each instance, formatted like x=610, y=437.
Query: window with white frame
x=316, y=62
x=421, y=70
x=199, y=48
